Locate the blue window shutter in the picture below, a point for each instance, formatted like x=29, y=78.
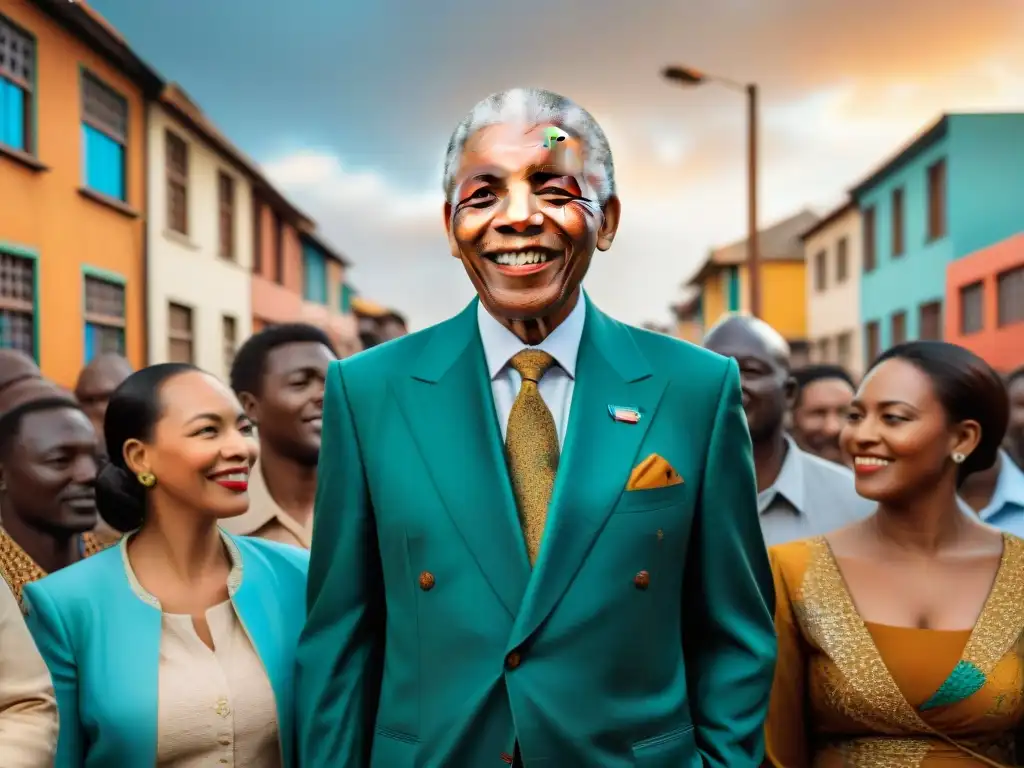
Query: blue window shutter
x=104, y=163
x=734, y=289
x=346, y=298
x=90, y=343
x=314, y=274
x=12, y=115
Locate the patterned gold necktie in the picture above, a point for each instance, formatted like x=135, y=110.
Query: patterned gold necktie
x=531, y=443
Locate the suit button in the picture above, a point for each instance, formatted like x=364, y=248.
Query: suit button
x=513, y=660
x=642, y=580
x=427, y=581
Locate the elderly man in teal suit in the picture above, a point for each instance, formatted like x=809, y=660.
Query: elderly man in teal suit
x=536, y=537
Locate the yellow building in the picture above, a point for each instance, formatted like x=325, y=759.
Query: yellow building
x=724, y=285
x=689, y=320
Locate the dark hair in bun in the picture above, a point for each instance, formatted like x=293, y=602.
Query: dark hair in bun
x=133, y=411
x=968, y=388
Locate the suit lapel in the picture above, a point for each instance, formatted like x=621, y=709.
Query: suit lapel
x=598, y=455
x=449, y=409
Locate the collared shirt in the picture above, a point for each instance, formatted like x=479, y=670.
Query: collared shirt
x=265, y=519
x=810, y=497
x=1005, y=510
x=556, y=385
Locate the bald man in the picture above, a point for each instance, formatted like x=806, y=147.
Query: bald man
x=16, y=366
x=96, y=383
x=799, y=495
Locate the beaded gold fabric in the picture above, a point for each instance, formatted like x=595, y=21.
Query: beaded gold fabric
x=18, y=569
x=531, y=443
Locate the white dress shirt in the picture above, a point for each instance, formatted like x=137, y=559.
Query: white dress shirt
x=556, y=385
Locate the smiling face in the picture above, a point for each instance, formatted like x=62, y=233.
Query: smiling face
x=900, y=437
x=201, y=449
x=526, y=220
x=820, y=415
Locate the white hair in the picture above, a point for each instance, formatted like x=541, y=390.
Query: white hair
x=534, y=106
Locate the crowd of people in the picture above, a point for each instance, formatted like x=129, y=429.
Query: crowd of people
x=542, y=537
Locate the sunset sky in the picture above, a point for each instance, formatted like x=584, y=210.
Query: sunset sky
x=349, y=107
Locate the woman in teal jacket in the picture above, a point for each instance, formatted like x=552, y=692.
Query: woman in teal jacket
x=174, y=649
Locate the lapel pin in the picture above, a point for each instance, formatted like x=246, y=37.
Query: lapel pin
x=623, y=414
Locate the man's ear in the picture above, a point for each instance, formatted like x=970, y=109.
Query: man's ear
x=250, y=405
x=612, y=211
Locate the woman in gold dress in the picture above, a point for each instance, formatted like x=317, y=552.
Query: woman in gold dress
x=900, y=635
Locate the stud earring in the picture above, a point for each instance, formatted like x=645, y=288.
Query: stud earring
x=147, y=479
x=959, y=458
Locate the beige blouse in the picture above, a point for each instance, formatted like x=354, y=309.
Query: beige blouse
x=216, y=707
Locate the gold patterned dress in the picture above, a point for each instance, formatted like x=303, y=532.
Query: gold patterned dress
x=850, y=694
x=18, y=569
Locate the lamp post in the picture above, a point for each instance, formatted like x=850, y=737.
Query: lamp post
x=690, y=77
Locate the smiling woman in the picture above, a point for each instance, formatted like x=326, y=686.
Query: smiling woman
x=190, y=615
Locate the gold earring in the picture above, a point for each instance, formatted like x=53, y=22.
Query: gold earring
x=147, y=479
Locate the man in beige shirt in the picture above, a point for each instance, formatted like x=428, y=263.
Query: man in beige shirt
x=279, y=376
x=28, y=708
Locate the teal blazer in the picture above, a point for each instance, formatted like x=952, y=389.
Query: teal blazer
x=642, y=637
x=101, y=642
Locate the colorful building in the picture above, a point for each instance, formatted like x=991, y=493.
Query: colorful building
x=689, y=321
x=72, y=186
x=832, y=252
x=954, y=190
x=985, y=301
x=327, y=296
x=724, y=285
x=200, y=237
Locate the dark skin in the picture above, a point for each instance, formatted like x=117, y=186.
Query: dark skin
x=513, y=194
x=766, y=384
x=48, y=472
x=1015, y=431
x=819, y=417
x=289, y=411
x=178, y=555
x=96, y=383
x=902, y=441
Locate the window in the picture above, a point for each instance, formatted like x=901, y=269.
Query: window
x=972, y=302
x=226, y=197
x=844, y=349
x=820, y=271
x=229, y=330
x=842, y=260
x=346, y=298
x=872, y=341
x=929, y=321
x=824, y=350
x=732, y=287
x=17, y=74
x=897, y=222
x=104, y=134
x=17, y=303
x=278, y=249
x=899, y=327
x=104, y=317
x=870, y=260
x=937, y=200
x=179, y=335
x=1010, y=297
x=314, y=274
x=257, y=236
x=176, y=166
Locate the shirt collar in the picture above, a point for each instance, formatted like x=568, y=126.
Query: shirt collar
x=563, y=343
x=790, y=482
x=1009, y=488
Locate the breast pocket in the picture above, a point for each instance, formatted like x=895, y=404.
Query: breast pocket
x=652, y=499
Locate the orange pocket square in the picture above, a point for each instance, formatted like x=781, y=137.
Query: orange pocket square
x=653, y=472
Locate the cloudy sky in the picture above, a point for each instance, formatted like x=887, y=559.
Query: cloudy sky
x=349, y=106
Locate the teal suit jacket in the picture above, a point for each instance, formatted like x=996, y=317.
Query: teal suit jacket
x=429, y=641
x=102, y=645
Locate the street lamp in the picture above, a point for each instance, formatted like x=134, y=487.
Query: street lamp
x=689, y=77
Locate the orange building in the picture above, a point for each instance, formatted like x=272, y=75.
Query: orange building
x=72, y=186
x=985, y=303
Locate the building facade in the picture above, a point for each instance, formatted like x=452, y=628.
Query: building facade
x=954, y=190
x=326, y=294
x=723, y=281
x=832, y=253
x=199, y=232
x=985, y=301
x=72, y=187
